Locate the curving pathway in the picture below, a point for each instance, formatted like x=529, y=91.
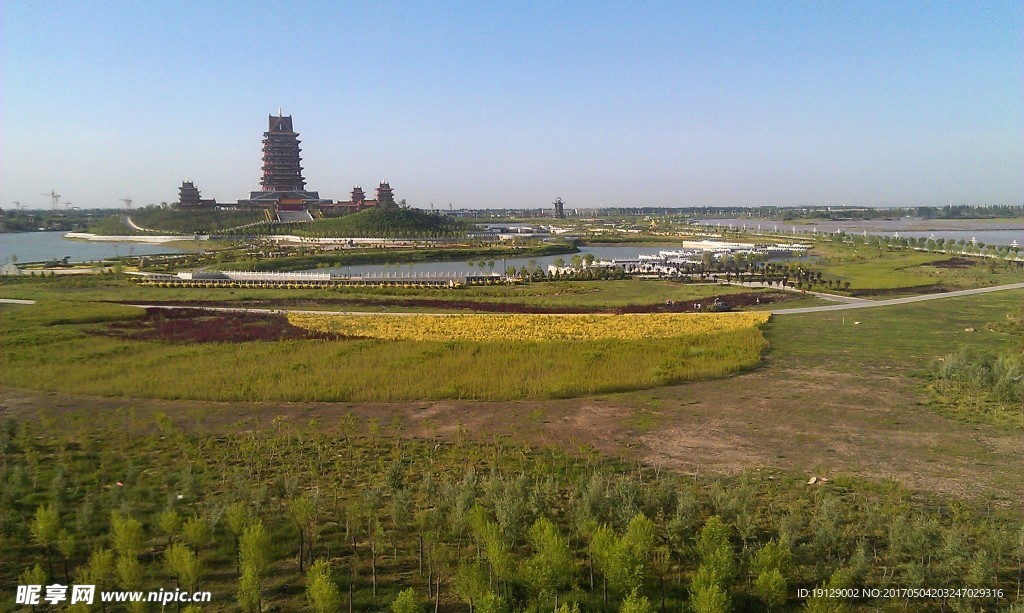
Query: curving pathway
x=859, y=304
x=867, y=304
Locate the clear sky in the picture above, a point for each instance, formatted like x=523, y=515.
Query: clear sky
x=481, y=104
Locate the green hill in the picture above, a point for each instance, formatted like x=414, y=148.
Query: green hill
x=372, y=223
x=385, y=223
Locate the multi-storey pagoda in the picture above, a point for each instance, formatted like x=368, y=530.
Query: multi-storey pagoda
x=189, y=198
x=281, y=169
x=283, y=188
x=358, y=201
x=282, y=182
x=386, y=196
x=188, y=194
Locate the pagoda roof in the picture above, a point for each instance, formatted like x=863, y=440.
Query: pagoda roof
x=279, y=123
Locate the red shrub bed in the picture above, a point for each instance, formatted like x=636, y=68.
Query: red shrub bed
x=734, y=300
x=199, y=326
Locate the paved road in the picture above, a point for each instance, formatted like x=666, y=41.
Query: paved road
x=860, y=304
x=786, y=288
x=867, y=304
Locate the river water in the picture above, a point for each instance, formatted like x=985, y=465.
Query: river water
x=990, y=232
x=600, y=253
x=45, y=246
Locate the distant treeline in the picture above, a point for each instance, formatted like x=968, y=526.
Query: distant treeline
x=415, y=223
x=956, y=211
x=37, y=220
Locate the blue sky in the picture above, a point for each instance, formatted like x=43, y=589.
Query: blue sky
x=512, y=104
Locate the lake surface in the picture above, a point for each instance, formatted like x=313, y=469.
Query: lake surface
x=600, y=253
x=45, y=246
x=997, y=232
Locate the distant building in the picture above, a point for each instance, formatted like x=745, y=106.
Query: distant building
x=283, y=184
x=281, y=169
x=386, y=196
x=358, y=201
x=188, y=197
x=283, y=188
x=559, y=208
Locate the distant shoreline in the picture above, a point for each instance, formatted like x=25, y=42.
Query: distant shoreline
x=88, y=236
x=914, y=224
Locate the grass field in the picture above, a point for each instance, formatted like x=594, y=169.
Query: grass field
x=873, y=269
x=55, y=346
x=604, y=293
x=910, y=337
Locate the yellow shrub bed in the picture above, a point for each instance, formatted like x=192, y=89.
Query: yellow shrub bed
x=527, y=327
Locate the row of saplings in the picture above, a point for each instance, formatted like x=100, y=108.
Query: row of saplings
x=319, y=518
x=448, y=554
x=491, y=578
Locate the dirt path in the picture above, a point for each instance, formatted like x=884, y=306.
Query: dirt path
x=870, y=424
x=824, y=423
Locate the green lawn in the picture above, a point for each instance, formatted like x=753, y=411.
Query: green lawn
x=49, y=347
x=601, y=293
x=866, y=268
x=906, y=337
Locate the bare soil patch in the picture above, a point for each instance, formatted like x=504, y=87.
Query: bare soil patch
x=934, y=288
x=819, y=422
x=869, y=424
x=952, y=263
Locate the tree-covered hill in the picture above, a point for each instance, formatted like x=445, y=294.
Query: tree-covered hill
x=386, y=223
x=372, y=223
